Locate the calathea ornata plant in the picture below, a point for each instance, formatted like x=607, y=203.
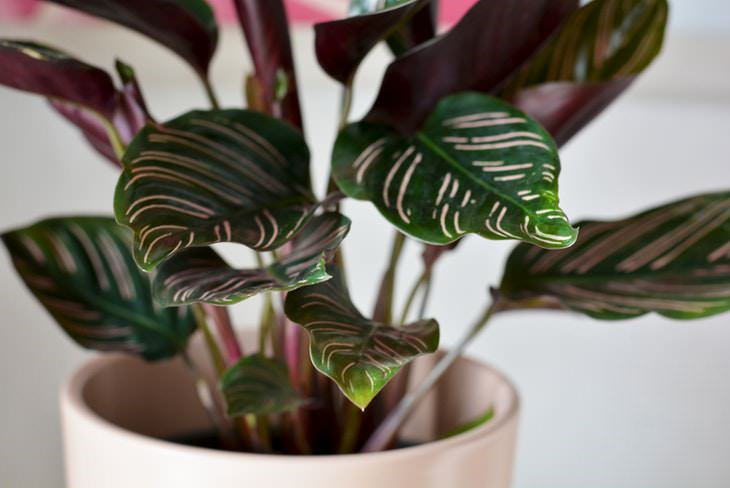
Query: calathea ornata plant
x=463, y=138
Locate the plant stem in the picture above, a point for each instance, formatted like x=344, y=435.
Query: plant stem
x=351, y=428
x=302, y=417
x=387, y=431
x=268, y=313
x=210, y=91
x=345, y=108
x=420, y=282
x=292, y=336
x=261, y=423
x=207, y=399
x=215, y=353
x=384, y=306
x=345, y=104
x=425, y=297
x=267, y=321
x=299, y=432
x=222, y=322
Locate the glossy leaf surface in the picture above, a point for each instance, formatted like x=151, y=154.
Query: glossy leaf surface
x=187, y=27
x=673, y=260
x=492, y=41
x=201, y=275
x=257, y=385
x=341, y=45
x=593, y=58
x=46, y=71
x=214, y=176
x=266, y=28
x=81, y=270
x=360, y=355
x=477, y=166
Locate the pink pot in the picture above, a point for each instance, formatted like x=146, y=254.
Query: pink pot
x=116, y=409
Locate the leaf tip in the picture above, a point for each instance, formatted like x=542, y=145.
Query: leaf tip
x=555, y=234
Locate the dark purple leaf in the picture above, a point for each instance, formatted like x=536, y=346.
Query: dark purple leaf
x=130, y=115
x=187, y=27
x=83, y=94
x=492, y=41
x=91, y=128
x=593, y=58
x=341, y=45
x=46, y=71
x=266, y=28
x=421, y=28
x=564, y=108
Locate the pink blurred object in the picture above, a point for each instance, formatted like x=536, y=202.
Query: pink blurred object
x=18, y=9
x=307, y=11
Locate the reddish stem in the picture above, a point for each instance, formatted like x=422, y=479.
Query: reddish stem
x=266, y=27
x=222, y=321
x=292, y=349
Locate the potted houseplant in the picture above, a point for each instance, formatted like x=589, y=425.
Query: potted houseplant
x=462, y=139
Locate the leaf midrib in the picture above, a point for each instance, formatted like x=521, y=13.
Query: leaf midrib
x=598, y=277
x=455, y=164
x=113, y=309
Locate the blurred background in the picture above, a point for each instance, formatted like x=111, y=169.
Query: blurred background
x=634, y=404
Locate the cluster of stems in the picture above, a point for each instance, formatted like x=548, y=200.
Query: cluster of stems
x=310, y=429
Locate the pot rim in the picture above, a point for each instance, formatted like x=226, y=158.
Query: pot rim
x=71, y=397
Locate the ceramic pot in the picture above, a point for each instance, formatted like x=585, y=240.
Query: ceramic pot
x=117, y=411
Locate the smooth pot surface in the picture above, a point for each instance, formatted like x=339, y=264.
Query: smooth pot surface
x=116, y=410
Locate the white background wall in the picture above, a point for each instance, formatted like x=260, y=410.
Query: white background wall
x=634, y=405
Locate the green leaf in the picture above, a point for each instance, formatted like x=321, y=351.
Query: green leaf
x=673, y=260
x=477, y=166
x=187, y=27
x=471, y=425
x=214, y=176
x=200, y=275
x=81, y=270
x=257, y=385
x=360, y=355
x=592, y=59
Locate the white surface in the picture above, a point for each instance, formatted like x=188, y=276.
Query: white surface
x=633, y=405
x=700, y=15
